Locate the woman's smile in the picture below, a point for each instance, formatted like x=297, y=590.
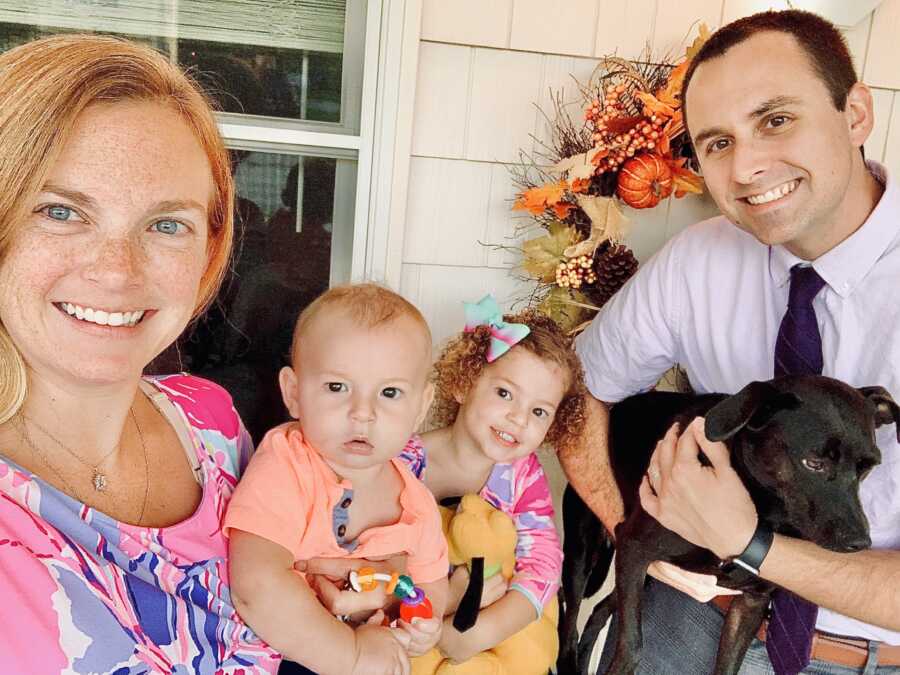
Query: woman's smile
x=101, y=317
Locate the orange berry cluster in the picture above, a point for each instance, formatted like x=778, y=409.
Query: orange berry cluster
x=620, y=146
x=574, y=272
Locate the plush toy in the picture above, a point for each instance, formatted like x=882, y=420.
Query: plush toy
x=484, y=539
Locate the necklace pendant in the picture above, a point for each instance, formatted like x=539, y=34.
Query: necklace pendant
x=99, y=481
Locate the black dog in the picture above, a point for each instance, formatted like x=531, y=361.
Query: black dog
x=801, y=445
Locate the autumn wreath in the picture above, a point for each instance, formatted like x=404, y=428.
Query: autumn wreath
x=630, y=146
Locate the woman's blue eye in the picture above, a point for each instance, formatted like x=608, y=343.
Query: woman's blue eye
x=59, y=212
x=168, y=226
x=337, y=387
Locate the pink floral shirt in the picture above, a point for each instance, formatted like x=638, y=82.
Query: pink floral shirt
x=83, y=593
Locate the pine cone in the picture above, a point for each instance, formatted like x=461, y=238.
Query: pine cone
x=613, y=265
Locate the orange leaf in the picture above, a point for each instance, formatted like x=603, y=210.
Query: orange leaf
x=537, y=199
x=663, y=146
x=580, y=185
x=653, y=106
x=561, y=209
x=685, y=181
x=674, y=126
x=671, y=93
x=523, y=205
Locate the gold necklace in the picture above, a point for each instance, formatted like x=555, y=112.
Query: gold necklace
x=71, y=490
x=98, y=478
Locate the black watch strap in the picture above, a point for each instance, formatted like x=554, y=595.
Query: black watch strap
x=752, y=557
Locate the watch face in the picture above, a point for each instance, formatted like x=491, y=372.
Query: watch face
x=734, y=572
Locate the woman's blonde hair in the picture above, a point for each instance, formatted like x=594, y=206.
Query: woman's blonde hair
x=44, y=86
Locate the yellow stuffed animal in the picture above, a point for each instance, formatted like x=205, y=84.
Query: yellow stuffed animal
x=478, y=530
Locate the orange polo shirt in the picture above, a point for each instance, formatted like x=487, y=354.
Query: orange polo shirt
x=291, y=497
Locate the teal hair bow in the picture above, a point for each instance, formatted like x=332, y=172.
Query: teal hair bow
x=504, y=335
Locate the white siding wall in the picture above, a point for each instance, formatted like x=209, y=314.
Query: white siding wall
x=482, y=67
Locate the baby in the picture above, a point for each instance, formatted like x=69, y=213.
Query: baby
x=329, y=485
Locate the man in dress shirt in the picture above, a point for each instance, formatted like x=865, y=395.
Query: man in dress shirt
x=778, y=120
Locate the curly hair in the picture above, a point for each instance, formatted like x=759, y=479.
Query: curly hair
x=464, y=358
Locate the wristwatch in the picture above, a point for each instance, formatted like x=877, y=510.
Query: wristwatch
x=752, y=556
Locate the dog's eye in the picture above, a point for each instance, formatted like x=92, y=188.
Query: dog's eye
x=815, y=464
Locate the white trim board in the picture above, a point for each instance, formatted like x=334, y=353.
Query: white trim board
x=392, y=46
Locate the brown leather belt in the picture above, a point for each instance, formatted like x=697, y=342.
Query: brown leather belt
x=845, y=651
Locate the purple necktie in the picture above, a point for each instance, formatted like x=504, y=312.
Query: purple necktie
x=798, y=351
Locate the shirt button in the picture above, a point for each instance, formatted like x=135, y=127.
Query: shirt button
x=346, y=503
x=341, y=530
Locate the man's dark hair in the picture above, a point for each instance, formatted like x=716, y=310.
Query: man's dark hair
x=819, y=39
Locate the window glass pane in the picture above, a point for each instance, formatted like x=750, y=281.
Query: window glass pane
x=278, y=59
x=281, y=263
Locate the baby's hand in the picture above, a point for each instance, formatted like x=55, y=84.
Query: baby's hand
x=423, y=634
x=339, y=568
x=347, y=602
x=379, y=650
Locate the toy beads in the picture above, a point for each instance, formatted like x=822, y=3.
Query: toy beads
x=413, y=601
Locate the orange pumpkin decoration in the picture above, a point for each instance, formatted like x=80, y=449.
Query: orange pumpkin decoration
x=644, y=180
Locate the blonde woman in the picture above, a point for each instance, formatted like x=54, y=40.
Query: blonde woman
x=115, y=230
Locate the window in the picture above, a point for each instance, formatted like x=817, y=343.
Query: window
x=287, y=76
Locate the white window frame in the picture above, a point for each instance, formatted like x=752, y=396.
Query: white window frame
x=368, y=231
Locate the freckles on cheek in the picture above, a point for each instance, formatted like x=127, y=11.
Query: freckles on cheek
x=181, y=268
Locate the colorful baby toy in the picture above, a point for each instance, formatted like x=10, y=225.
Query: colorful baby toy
x=413, y=601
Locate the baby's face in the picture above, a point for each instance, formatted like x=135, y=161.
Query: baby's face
x=359, y=393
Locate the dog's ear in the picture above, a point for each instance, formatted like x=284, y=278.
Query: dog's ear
x=886, y=410
x=752, y=407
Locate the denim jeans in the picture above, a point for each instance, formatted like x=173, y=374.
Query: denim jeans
x=681, y=637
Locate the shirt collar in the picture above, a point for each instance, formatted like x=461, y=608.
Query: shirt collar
x=844, y=266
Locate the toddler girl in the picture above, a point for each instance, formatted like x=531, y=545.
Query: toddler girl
x=504, y=386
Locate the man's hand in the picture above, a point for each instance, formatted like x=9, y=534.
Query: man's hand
x=379, y=650
x=707, y=505
x=701, y=587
